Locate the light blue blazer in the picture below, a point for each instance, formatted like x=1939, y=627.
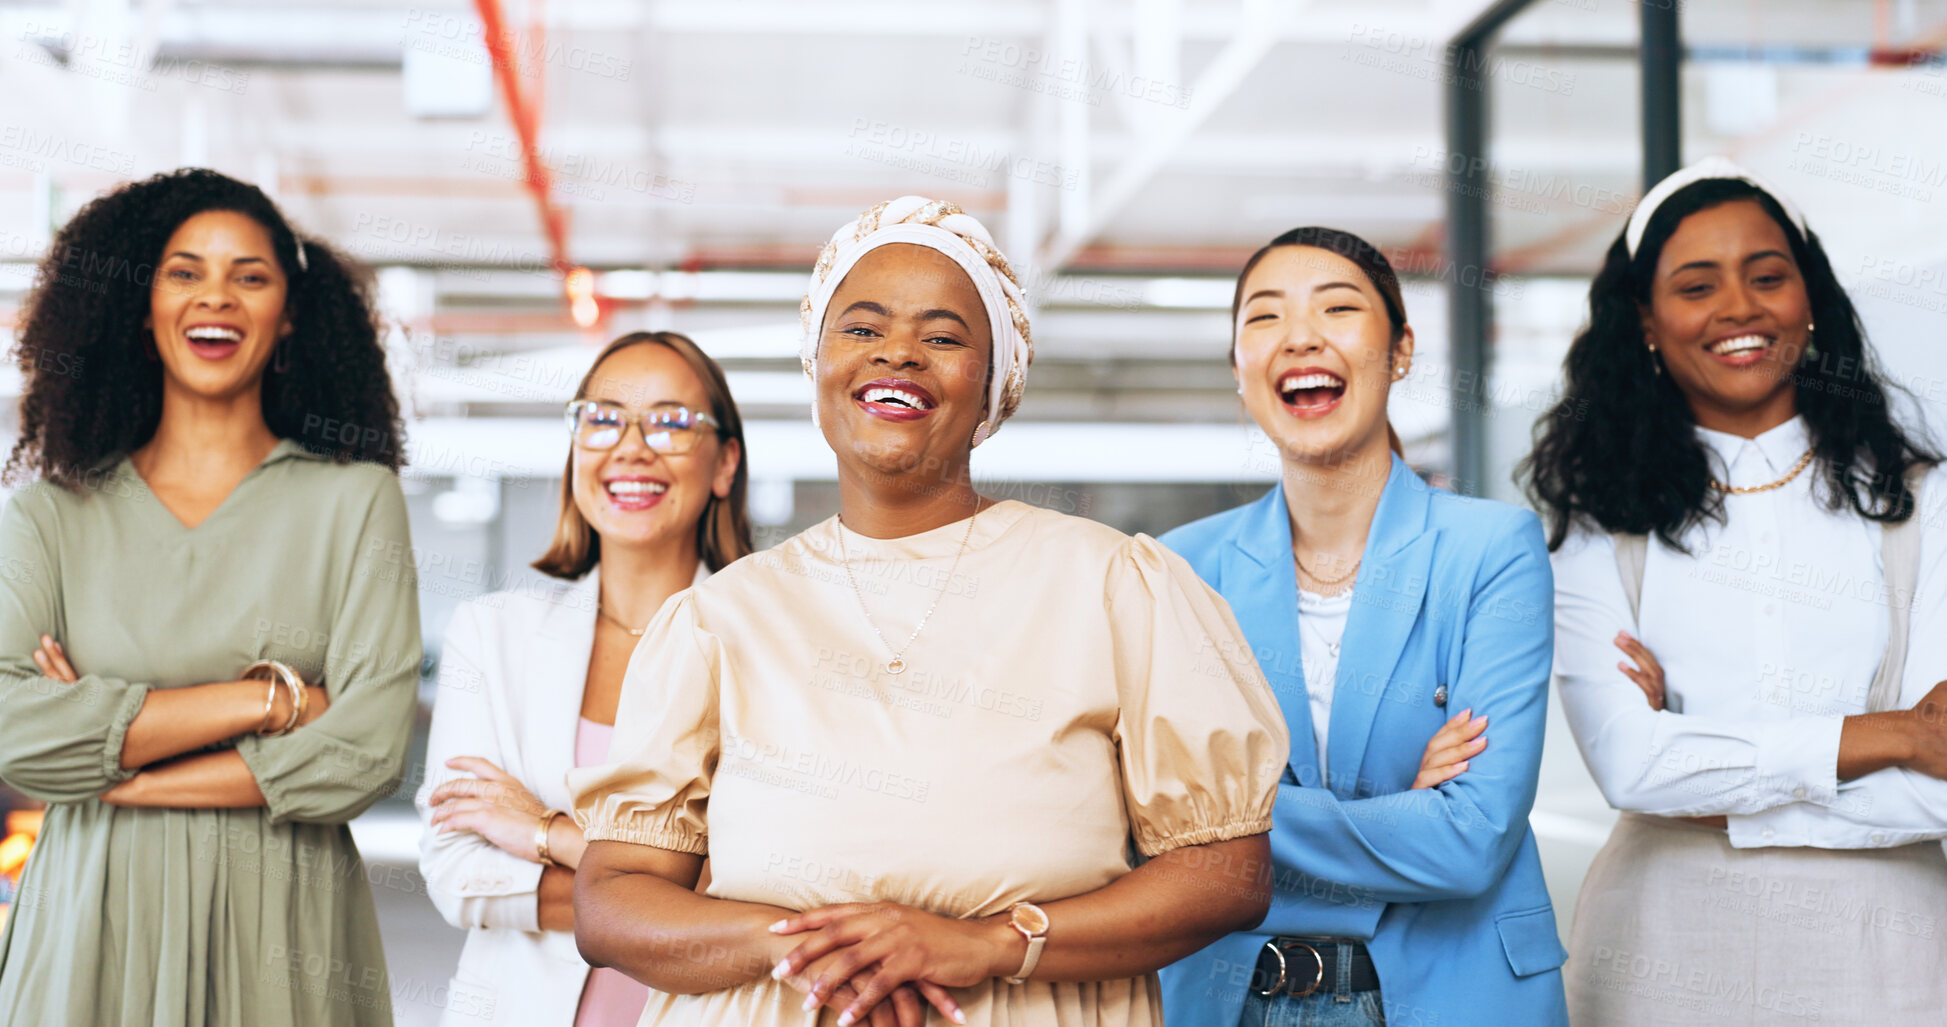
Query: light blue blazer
x=1454, y=609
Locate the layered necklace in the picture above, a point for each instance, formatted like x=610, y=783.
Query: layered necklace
x=897, y=664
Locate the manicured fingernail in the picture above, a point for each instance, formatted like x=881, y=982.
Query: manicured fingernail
x=778, y=972
x=845, y=1019
x=778, y=928
x=810, y=1002
x=959, y=1017
x=1481, y=720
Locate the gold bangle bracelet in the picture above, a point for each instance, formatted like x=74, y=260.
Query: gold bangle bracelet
x=541, y=838
x=278, y=673
x=299, y=700
x=270, y=706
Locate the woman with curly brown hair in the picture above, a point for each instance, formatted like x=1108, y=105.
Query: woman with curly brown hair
x=209, y=633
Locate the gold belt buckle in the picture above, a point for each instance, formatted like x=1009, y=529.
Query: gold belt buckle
x=1317, y=978
x=1284, y=982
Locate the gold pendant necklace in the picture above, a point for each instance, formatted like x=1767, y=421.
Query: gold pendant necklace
x=1745, y=490
x=897, y=664
x=607, y=616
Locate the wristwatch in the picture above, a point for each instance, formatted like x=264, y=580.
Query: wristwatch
x=1028, y=918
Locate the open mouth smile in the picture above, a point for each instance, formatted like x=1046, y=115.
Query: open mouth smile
x=213, y=341
x=1310, y=391
x=894, y=399
x=1741, y=350
x=634, y=493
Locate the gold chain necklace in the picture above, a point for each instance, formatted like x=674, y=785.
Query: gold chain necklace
x=603, y=610
x=1322, y=581
x=897, y=664
x=1745, y=490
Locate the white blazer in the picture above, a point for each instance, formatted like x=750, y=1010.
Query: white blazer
x=510, y=684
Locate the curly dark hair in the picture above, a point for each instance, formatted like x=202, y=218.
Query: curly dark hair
x=93, y=387
x=1620, y=449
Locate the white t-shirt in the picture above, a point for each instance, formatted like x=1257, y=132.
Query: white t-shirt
x=1321, y=624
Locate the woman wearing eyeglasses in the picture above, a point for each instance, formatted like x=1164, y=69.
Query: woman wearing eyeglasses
x=652, y=501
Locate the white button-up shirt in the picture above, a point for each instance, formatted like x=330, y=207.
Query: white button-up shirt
x=1769, y=630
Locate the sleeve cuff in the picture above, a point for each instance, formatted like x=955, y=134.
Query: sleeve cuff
x=1798, y=760
x=111, y=750
x=1152, y=845
x=655, y=837
x=490, y=889
x=511, y=900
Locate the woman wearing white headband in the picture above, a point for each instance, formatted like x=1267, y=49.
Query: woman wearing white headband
x=1728, y=490
x=919, y=742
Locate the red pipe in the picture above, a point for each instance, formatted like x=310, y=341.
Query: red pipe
x=526, y=117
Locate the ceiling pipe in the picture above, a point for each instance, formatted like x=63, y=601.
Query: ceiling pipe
x=524, y=111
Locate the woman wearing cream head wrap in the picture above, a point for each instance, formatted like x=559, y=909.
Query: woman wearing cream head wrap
x=942, y=226
x=918, y=741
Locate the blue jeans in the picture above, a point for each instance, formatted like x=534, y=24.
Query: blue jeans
x=1319, y=1009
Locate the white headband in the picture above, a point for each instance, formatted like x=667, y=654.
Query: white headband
x=936, y=225
x=1709, y=167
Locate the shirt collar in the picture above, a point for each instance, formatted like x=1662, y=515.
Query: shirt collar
x=291, y=449
x=1780, y=448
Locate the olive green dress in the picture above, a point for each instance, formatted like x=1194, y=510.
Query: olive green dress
x=164, y=917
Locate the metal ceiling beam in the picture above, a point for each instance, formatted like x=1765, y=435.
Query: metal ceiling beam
x=1469, y=187
x=1255, y=37
x=1662, y=92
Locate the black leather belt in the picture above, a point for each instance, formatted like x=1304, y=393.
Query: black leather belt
x=1304, y=966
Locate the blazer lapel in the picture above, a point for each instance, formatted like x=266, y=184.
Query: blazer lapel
x=1262, y=590
x=554, y=675
x=1386, y=602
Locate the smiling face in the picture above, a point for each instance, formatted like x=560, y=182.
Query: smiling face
x=216, y=307
x=1728, y=314
x=1315, y=354
x=631, y=495
x=902, y=364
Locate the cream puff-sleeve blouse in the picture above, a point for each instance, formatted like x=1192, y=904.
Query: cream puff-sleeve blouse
x=1078, y=696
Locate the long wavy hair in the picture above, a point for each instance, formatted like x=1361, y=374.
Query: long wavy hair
x=1370, y=261
x=722, y=533
x=94, y=383
x=1620, y=448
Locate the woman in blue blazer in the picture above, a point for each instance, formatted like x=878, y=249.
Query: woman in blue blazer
x=1402, y=628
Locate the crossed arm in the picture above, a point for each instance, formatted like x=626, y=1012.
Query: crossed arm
x=640, y=913
x=174, y=721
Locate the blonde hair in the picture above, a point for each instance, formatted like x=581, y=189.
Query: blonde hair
x=722, y=533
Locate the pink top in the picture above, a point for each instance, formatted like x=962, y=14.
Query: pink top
x=610, y=998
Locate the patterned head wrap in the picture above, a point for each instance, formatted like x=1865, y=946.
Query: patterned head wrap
x=937, y=225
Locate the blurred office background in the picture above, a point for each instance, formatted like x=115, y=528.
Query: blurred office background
x=694, y=155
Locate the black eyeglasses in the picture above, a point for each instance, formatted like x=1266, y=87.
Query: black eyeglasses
x=668, y=430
